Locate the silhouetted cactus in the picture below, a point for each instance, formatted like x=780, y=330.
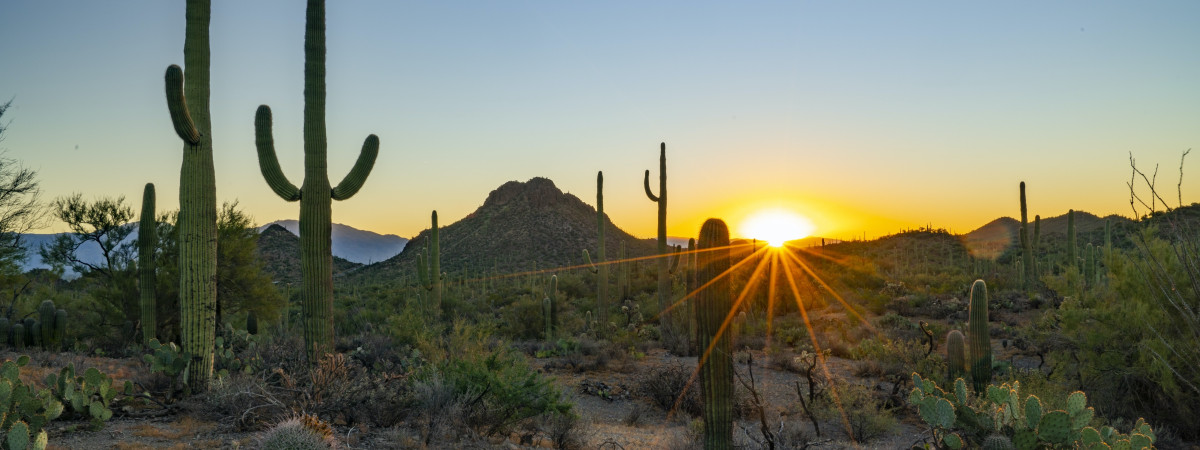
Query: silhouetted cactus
x=1026, y=245
x=1072, y=253
x=664, y=280
x=147, y=240
x=1037, y=232
x=315, y=195
x=713, y=308
x=429, y=265
x=955, y=354
x=1089, y=264
x=978, y=337
x=251, y=323
x=599, y=267
x=18, y=335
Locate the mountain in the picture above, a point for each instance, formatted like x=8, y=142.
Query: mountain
x=355, y=245
x=519, y=225
x=279, y=250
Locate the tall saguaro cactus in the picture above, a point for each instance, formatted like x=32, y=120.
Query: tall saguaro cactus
x=978, y=338
x=599, y=267
x=664, y=280
x=1072, y=253
x=187, y=100
x=315, y=195
x=712, y=308
x=147, y=240
x=429, y=266
x=1026, y=244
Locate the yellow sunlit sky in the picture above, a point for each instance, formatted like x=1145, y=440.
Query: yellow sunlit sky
x=862, y=117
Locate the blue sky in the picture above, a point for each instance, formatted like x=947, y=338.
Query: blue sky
x=863, y=116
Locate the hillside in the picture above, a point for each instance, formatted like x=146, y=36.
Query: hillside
x=353, y=244
x=519, y=225
x=279, y=251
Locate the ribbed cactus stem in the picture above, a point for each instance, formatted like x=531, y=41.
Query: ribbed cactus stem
x=1107, y=241
x=429, y=266
x=601, y=269
x=46, y=312
x=1037, y=232
x=60, y=327
x=1089, y=265
x=1072, y=253
x=713, y=307
x=18, y=333
x=690, y=307
x=979, y=339
x=316, y=195
x=956, y=354
x=147, y=241
x=550, y=308
x=664, y=280
x=1026, y=244
x=187, y=93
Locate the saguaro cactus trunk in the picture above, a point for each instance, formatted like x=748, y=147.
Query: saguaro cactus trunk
x=979, y=340
x=1028, y=264
x=429, y=266
x=315, y=195
x=187, y=101
x=712, y=309
x=147, y=240
x=599, y=267
x=664, y=280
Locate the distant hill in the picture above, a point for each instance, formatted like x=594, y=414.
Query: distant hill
x=519, y=224
x=352, y=244
x=279, y=251
x=992, y=239
x=89, y=252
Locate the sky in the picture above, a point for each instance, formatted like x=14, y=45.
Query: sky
x=864, y=117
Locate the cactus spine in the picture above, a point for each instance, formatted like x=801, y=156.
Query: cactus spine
x=187, y=101
x=550, y=308
x=429, y=266
x=955, y=357
x=315, y=195
x=712, y=310
x=147, y=240
x=979, y=339
x=598, y=267
x=664, y=280
x=1026, y=245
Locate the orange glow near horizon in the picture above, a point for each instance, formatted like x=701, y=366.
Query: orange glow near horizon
x=776, y=226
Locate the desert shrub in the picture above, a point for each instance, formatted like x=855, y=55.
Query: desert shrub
x=566, y=431
x=857, y=406
x=663, y=386
x=523, y=319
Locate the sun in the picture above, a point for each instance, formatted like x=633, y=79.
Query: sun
x=776, y=226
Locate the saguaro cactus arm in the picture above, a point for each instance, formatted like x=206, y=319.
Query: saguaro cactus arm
x=268, y=163
x=177, y=105
x=649, y=193
x=362, y=168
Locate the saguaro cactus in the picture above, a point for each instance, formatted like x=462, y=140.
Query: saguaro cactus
x=550, y=308
x=1026, y=245
x=664, y=276
x=46, y=313
x=429, y=266
x=315, y=195
x=147, y=240
x=979, y=339
x=955, y=354
x=599, y=267
x=187, y=101
x=713, y=306
x=1072, y=253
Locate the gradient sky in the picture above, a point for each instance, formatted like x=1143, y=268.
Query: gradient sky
x=863, y=116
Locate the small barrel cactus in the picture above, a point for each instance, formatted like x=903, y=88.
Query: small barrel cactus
x=302, y=432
